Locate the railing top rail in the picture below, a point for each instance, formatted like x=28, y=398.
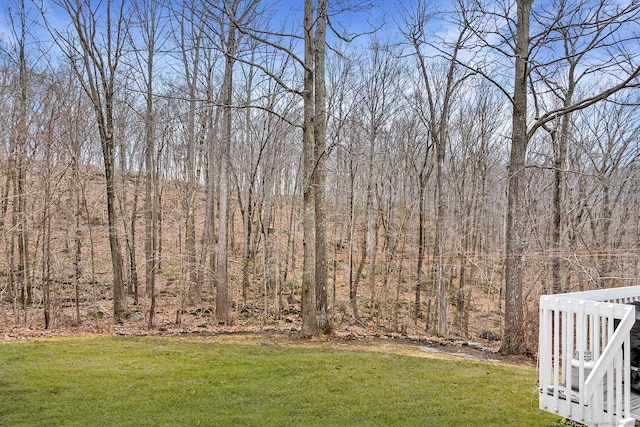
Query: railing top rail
x=598, y=308
x=602, y=294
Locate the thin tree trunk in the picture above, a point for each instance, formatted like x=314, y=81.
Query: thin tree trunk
x=353, y=282
x=96, y=70
x=133, y=263
x=222, y=290
x=396, y=311
x=19, y=137
x=421, y=251
x=46, y=241
x=222, y=286
x=151, y=15
x=309, y=321
x=558, y=191
x=320, y=171
x=92, y=254
x=370, y=247
x=438, y=253
x=192, y=71
x=119, y=299
x=361, y=264
x=150, y=199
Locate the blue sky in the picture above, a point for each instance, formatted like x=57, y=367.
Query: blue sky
x=290, y=10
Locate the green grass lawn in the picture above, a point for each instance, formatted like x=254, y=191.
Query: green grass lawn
x=176, y=382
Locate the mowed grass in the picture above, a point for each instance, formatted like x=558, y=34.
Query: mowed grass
x=142, y=381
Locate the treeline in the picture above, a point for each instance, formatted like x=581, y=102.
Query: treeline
x=280, y=160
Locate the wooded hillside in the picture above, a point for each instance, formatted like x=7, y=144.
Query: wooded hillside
x=433, y=168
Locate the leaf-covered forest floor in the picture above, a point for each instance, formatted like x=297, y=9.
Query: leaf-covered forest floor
x=280, y=334
x=20, y=324
x=26, y=324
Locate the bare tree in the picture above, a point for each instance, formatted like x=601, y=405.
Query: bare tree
x=606, y=141
x=309, y=314
x=76, y=138
x=149, y=16
x=236, y=17
x=418, y=150
x=18, y=140
x=571, y=35
x=441, y=86
x=95, y=61
x=471, y=173
x=379, y=95
x=341, y=109
x=191, y=40
x=320, y=171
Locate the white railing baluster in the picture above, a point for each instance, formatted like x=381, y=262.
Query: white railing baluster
x=567, y=353
x=612, y=396
x=567, y=340
x=580, y=348
x=626, y=374
x=544, y=354
x=556, y=353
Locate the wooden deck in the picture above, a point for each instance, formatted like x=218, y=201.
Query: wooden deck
x=635, y=400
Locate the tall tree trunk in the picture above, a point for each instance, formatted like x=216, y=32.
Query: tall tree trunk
x=96, y=70
x=150, y=16
x=195, y=287
x=119, y=298
x=309, y=320
x=417, y=309
x=191, y=56
x=222, y=287
x=150, y=208
x=353, y=282
x=77, y=236
x=560, y=151
x=209, y=140
x=22, y=263
x=20, y=132
x=389, y=248
x=369, y=247
x=247, y=215
x=133, y=261
x=46, y=240
x=320, y=171
x=207, y=253
x=513, y=338
x=558, y=190
x=222, y=291
x=438, y=253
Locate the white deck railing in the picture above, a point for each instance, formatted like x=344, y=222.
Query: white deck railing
x=584, y=355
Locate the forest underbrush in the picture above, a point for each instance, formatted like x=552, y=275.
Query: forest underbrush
x=93, y=316
x=264, y=288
